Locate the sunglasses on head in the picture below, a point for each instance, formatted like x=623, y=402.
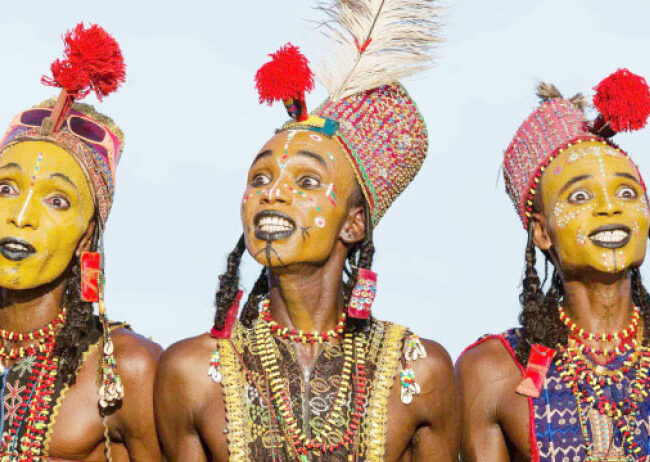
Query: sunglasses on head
x=81, y=127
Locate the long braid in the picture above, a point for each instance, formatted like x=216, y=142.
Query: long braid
x=72, y=342
x=260, y=290
x=641, y=298
x=228, y=284
x=539, y=319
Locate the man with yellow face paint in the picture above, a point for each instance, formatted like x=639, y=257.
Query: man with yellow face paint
x=62, y=395
x=572, y=382
x=306, y=374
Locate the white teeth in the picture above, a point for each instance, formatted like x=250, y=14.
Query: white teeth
x=16, y=247
x=617, y=235
x=274, y=224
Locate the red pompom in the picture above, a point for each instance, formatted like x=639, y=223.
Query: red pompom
x=623, y=100
x=286, y=76
x=93, y=62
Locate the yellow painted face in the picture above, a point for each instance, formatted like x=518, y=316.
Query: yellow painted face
x=296, y=199
x=596, y=210
x=45, y=208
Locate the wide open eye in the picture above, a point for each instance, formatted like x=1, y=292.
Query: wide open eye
x=8, y=190
x=626, y=192
x=58, y=201
x=580, y=196
x=260, y=180
x=308, y=182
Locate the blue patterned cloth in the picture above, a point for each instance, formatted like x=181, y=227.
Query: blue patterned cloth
x=557, y=423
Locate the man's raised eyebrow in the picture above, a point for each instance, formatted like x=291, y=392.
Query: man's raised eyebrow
x=629, y=176
x=11, y=165
x=64, y=178
x=314, y=156
x=573, y=180
x=265, y=153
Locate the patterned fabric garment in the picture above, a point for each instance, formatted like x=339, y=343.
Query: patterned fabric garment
x=14, y=396
x=561, y=425
x=253, y=432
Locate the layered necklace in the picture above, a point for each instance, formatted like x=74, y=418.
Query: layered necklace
x=299, y=336
x=26, y=408
x=353, y=379
x=592, y=384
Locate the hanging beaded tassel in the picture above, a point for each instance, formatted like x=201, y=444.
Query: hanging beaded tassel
x=363, y=294
x=414, y=351
x=111, y=391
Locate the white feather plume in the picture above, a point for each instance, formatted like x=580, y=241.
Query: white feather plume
x=399, y=37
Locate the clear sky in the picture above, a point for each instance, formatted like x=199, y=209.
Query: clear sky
x=450, y=251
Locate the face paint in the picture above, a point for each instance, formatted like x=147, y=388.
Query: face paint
x=45, y=207
x=299, y=221
x=597, y=214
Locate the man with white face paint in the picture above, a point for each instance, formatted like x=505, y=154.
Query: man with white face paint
x=306, y=374
x=572, y=382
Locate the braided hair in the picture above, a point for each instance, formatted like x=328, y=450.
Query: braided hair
x=72, y=341
x=359, y=256
x=539, y=318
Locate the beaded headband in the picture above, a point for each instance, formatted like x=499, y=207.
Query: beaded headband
x=623, y=102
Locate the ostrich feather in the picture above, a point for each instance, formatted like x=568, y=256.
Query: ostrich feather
x=376, y=42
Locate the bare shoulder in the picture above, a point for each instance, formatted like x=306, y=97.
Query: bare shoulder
x=435, y=370
x=487, y=376
x=184, y=365
x=487, y=363
x=135, y=355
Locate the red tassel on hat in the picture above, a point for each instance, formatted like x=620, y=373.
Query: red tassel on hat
x=231, y=316
x=623, y=100
x=286, y=77
x=93, y=62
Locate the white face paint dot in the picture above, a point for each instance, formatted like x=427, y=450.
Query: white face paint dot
x=320, y=222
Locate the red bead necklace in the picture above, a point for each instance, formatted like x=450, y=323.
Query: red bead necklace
x=299, y=336
x=36, y=405
x=580, y=333
x=12, y=347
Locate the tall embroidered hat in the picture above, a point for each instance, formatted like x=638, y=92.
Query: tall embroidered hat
x=368, y=112
x=623, y=102
x=93, y=62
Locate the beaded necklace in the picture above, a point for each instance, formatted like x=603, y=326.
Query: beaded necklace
x=299, y=336
x=12, y=348
x=354, y=347
x=627, y=332
x=26, y=434
x=588, y=382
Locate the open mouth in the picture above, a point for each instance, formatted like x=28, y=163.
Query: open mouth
x=271, y=225
x=16, y=249
x=611, y=236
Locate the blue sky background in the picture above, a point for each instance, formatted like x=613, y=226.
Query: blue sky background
x=449, y=252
